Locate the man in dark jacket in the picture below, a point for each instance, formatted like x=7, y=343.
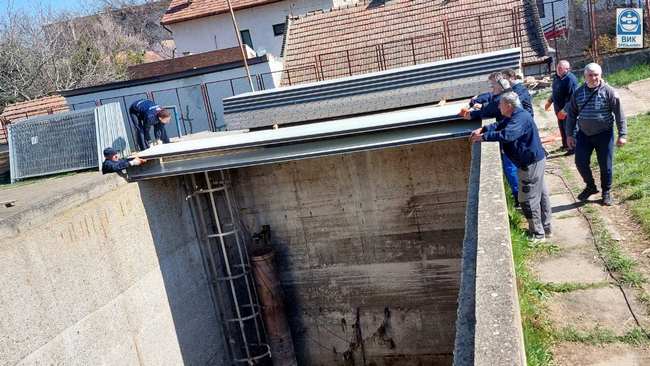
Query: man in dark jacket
x=486, y=106
x=564, y=84
x=113, y=163
x=591, y=114
x=146, y=114
x=520, y=140
x=517, y=86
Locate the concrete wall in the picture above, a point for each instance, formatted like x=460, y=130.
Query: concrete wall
x=369, y=248
x=216, y=32
x=105, y=273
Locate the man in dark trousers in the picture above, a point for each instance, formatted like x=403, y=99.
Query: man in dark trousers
x=591, y=114
x=519, y=137
x=113, y=163
x=564, y=84
x=145, y=114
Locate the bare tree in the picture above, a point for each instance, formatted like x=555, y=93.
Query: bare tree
x=43, y=53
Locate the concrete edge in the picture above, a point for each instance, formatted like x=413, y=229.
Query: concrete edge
x=488, y=328
x=43, y=210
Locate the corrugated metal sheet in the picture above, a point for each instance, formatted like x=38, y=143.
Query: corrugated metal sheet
x=52, y=144
x=109, y=124
x=339, y=127
x=311, y=149
x=397, y=88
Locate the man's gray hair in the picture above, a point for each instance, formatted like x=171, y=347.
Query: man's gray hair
x=593, y=67
x=512, y=99
x=565, y=63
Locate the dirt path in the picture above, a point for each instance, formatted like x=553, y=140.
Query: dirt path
x=596, y=319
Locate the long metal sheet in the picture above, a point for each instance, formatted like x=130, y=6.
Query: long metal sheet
x=451, y=79
x=340, y=127
x=311, y=149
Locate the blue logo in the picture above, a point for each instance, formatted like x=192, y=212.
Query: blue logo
x=629, y=22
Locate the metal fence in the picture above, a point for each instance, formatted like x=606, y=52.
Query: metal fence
x=110, y=131
x=52, y=144
x=586, y=30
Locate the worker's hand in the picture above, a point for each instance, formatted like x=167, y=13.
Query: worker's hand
x=571, y=142
x=547, y=106
x=463, y=113
x=561, y=115
x=476, y=135
x=621, y=141
x=138, y=161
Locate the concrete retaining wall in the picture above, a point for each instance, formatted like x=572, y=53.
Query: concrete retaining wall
x=105, y=276
x=489, y=322
x=369, y=248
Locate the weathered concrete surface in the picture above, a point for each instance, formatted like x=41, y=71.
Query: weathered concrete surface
x=369, y=248
x=497, y=334
x=91, y=275
x=575, y=354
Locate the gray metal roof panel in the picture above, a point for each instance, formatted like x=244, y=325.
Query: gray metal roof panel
x=311, y=149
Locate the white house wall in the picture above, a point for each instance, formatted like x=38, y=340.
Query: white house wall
x=216, y=32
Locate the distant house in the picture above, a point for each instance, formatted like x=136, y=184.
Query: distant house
x=30, y=108
x=379, y=34
x=205, y=25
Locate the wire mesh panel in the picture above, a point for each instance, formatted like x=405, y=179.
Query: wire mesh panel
x=52, y=144
x=109, y=123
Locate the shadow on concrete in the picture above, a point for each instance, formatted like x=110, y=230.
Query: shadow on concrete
x=572, y=206
x=193, y=308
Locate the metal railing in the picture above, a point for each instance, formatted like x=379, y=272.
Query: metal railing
x=443, y=40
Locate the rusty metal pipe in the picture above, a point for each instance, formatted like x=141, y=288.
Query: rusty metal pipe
x=272, y=301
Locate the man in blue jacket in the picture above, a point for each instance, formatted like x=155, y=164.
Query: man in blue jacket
x=113, y=163
x=486, y=106
x=146, y=114
x=517, y=86
x=564, y=84
x=520, y=140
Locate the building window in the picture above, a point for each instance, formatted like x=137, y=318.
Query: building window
x=246, y=38
x=278, y=29
x=540, y=8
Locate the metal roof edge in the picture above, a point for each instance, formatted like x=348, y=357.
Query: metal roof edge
x=161, y=78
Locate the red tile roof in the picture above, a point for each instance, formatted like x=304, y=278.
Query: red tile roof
x=182, y=10
x=367, y=37
x=35, y=107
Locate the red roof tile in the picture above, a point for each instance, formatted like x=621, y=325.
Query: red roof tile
x=367, y=37
x=36, y=107
x=182, y=10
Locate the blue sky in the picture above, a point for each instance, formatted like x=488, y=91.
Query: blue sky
x=31, y=6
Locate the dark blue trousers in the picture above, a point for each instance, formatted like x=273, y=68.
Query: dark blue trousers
x=603, y=143
x=142, y=132
x=510, y=171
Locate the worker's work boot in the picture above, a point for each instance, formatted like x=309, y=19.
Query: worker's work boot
x=588, y=191
x=607, y=199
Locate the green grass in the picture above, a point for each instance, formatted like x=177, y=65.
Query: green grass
x=616, y=260
x=538, y=333
x=599, y=335
x=629, y=75
x=632, y=171
x=570, y=286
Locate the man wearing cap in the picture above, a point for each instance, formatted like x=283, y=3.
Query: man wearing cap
x=113, y=163
x=146, y=114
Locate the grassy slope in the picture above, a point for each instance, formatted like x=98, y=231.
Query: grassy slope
x=632, y=170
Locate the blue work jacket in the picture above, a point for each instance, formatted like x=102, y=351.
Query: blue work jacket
x=524, y=97
x=146, y=112
x=563, y=89
x=518, y=136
